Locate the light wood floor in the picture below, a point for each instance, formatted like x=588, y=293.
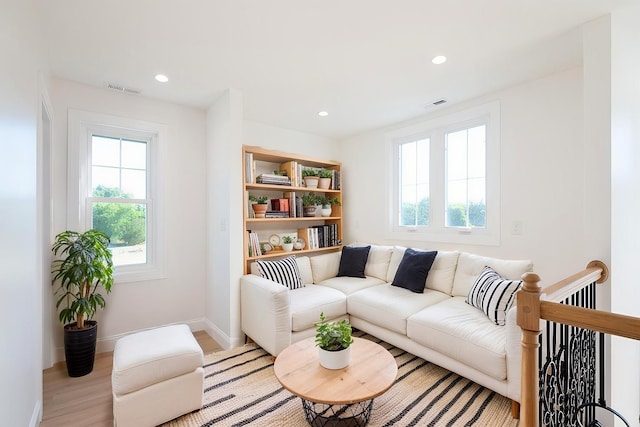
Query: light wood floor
x=87, y=401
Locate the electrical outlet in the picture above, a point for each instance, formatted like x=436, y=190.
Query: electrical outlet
x=516, y=228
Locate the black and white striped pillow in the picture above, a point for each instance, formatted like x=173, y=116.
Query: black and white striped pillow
x=493, y=295
x=284, y=271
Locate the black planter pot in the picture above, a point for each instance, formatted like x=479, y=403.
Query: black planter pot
x=80, y=348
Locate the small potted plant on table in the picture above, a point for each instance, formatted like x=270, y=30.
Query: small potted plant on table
x=260, y=205
x=85, y=266
x=334, y=341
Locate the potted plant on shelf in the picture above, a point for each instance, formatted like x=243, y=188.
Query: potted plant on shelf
x=84, y=268
x=260, y=205
x=334, y=341
x=310, y=177
x=324, y=178
x=326, y=203
x=309, y=201
x=287, y=243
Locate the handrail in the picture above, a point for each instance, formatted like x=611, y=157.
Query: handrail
x=595, y=320
x=531, y=309
x=596, y=271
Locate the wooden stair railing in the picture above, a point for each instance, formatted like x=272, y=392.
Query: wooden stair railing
x=535, y=304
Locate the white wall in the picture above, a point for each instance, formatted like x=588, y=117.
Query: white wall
x=20, y=305
x=290, y=141
x=542, y=174
x=177, y=298
x=224, y=218
x=625, y=205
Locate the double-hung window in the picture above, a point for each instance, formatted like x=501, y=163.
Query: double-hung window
x=445, y=184
x=115, y=187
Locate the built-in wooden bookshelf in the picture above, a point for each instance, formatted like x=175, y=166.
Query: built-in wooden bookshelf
x=260, y=164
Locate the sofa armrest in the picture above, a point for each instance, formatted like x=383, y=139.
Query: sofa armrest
x=514, y=354
x=265, y=312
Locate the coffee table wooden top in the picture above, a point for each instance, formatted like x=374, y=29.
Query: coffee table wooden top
x=371, y=372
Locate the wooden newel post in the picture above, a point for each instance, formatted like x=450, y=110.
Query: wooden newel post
x=528, y=318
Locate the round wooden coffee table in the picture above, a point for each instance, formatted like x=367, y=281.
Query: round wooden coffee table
x=336, y=397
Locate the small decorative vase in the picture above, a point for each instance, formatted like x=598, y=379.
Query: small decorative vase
x=288, y=247
x=311, y=181
x=325, y=210
x=324, y=183
x=259, y=209
x=309, y=210
x=334, y=359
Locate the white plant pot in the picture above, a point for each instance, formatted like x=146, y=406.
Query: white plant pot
x=288, y=247
x=325, y=211
x=334, y=359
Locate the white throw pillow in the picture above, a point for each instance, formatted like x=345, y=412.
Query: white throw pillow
x=493, y=295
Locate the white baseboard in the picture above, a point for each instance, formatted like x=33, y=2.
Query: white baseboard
x=220, y=337
x=36, y=415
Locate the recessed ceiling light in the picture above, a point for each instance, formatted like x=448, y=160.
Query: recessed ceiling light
x=439, y=60
x=323, y=113
x=162, y=78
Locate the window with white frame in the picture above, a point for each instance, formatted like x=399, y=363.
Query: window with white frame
x=446, y=178
x=115, y=187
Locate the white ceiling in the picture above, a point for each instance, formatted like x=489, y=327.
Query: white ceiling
x=367, y=62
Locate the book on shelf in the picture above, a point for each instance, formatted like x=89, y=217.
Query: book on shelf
x=291, y=168
x=335, y=180
x=281, y=205
x=276, y=214
x=249, y=168
x=250, y=213
x=268, y=178
x=291, y=199
x=253, y=248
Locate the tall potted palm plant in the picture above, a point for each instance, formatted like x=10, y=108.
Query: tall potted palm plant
x=84, y=266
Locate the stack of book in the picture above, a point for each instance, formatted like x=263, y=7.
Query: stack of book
x=270, y=178
x=320, y=236
x=276, y=214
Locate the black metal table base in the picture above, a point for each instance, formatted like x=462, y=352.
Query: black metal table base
x=323, y=415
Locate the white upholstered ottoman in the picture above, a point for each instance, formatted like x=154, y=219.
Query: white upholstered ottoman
x=157, y=376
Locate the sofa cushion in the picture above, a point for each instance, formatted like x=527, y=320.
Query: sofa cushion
x=413, y=270
x=325, y=266
x=471, y=265
x=441, y=274
x=284, y=271
x=353, y=261
x=378, y=262
x=307, y=303
x=349, y=285
x=493, y=295
x=389, y=306
x=457, y=330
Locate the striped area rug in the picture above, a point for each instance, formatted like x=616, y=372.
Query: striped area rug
x=241, y=389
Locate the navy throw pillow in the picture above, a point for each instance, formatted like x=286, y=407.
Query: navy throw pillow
x=353, y=261
x=413, y=270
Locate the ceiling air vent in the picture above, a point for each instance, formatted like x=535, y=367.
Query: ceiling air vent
x=439, y=102
x=122, y=89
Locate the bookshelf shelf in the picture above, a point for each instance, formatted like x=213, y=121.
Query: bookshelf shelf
x=321, y=234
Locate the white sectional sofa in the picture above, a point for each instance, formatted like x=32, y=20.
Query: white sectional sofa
x=437, y=325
